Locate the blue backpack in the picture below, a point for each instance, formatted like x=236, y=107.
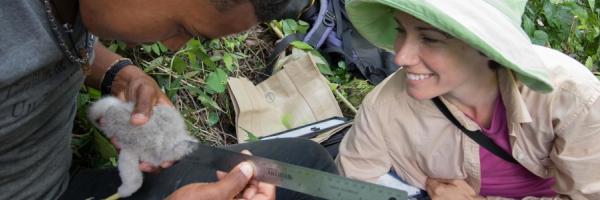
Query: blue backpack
x=332, y=34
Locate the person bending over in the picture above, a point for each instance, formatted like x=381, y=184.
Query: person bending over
x=49, y=48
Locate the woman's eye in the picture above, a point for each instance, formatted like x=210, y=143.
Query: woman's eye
x=430, y=40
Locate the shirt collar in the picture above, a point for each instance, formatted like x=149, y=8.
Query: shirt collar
x=516, y=109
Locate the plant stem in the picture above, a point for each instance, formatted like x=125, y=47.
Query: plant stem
x=278, y=32
x=113, y=197
x=344, y=100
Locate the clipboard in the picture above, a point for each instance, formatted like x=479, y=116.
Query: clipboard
x=311, y=130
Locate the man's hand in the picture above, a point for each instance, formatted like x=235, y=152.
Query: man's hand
x=131, y=84
x=254, y=190
x=450, y=189
x=237, y=184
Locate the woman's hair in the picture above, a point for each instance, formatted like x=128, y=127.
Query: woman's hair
x=494, y=65
x=265, y=10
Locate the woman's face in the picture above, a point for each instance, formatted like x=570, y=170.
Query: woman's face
x=436, y=63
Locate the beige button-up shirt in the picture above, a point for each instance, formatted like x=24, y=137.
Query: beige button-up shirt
x=552, y=135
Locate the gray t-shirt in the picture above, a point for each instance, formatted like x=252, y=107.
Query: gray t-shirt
x=38, y=93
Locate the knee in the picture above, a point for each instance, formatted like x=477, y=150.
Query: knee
x=304, y=147
x=308, y=153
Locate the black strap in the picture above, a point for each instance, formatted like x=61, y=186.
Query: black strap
x=321, y=30
x=280, y=47
x=477, y=136
x=109, y=76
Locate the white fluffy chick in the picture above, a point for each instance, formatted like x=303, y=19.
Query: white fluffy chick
x=162, y=138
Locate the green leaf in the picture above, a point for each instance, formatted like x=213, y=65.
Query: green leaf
x=213, y=118
x=195, y=91
x=179, y=64
x=540, y=37
x=104, y=147
x=302, y=27
x=113, y=162
x=286, y=120
x=205, y=58
x=192, y=60
x=288, y=27
x=156, y=49
x=94, y=93
x=592, y=4
x=162, y=47
x=589, y=63
x=216, y=81
x=173, y=87
x=153, y=64
x=325, y=69
x=528, y=25
x=251, y=136
x=231, y=44
x=342, y=65
x=333, y=86
x=556, y=1
x=113, y=47
x=228, y=61
x=194, y=43
x=82, y=100
x=208, y=102
x=147, y=48
x=301, y=45
x=122, y=45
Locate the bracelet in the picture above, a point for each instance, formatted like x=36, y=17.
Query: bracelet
x=109, y=76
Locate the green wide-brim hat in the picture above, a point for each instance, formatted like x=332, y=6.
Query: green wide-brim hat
x=491, y=26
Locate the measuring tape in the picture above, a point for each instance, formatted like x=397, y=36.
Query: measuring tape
x=300, y=179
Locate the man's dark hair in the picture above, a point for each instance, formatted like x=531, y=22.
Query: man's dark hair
x=265, y=10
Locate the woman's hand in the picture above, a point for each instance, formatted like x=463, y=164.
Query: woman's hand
x=450, y=189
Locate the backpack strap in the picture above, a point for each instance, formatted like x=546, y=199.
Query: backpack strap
x=317, y=35
x=322, y=26
x=280, y=47
x=339, y=19
x=477, y=136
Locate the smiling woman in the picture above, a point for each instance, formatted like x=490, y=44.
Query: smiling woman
x=533, y=104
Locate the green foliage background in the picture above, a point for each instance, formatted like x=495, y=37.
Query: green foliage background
x=572, y=26
x=195, y=78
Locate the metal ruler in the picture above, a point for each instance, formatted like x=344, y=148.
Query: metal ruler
x=297, y=178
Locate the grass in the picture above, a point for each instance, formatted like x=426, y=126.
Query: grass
x=196, y=88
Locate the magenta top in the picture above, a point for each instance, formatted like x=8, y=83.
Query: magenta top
x=503, y=178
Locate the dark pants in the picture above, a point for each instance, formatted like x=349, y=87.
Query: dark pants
x=103, y=183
